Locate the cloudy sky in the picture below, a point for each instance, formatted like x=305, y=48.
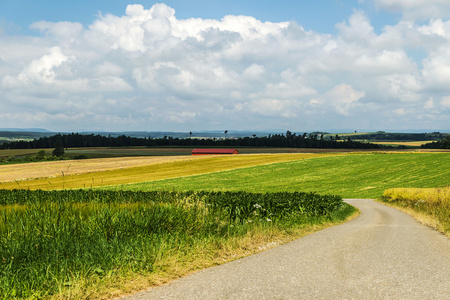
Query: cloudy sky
x=191, y=65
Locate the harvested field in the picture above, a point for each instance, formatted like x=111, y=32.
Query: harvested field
x=19, y=172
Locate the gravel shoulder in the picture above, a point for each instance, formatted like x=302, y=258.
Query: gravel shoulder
x=382, y=254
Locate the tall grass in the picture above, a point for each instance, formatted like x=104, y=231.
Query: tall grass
x=59, y=241
x=434, y=203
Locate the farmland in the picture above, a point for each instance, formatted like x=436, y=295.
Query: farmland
x=210, y=209
x=116, y=172
x=351, y=176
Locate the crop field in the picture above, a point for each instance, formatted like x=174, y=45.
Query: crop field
x=351, y=176
x=152, y=219
x=415, y=144
x=20, y=172
x=80, y=173
x=73, y=243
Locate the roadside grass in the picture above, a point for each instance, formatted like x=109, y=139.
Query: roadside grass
x=351, y=176
x=88, y=244
x=431, y=206
x=171, y=169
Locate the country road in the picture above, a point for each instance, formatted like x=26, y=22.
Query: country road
x=382, y=254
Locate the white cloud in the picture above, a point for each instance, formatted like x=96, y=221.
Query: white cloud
x=274, y=108
x=149, y=70
x=429, y=104
x=445, y=102
x=42, y=69
x=343, y=98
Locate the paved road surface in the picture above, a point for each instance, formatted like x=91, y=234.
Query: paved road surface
x=383, y=254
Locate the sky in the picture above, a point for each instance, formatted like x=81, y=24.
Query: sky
x=179, y=65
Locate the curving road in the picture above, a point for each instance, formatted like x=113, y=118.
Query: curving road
x=382, y=254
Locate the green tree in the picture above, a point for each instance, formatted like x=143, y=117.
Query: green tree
x=59, y=149
x=41, y=154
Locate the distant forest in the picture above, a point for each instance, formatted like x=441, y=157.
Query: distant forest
x=382, y=136
x=288, y=140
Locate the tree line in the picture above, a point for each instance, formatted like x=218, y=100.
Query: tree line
x=442, y=144
x=289, y=140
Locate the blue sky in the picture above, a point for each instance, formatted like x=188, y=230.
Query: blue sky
x=313, y=15
x=238, y=65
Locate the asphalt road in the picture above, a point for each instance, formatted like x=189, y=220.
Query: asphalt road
x=382, y=254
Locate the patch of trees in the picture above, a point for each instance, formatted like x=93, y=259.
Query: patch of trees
x=442, y=144
x=40, y=156
x=291, y=140
x=381, y=136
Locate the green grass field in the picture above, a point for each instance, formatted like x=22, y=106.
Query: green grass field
x=351, y=176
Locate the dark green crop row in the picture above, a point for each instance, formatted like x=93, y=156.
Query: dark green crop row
x=238, y=205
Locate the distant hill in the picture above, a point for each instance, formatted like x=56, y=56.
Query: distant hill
x=25, y=129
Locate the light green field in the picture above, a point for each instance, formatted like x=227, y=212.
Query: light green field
x=351, y=176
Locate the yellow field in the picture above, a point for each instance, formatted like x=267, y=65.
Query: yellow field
x=431, y=206
x=434, y=195
x=20, y=172
x=413, y=143
x=117, y=171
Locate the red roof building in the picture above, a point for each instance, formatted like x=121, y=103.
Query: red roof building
x=214, y=151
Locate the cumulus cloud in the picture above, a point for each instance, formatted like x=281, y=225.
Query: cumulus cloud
x=149, y=70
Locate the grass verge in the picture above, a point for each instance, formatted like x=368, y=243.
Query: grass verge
x=429, y=206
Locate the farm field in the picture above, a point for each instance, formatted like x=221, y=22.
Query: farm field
x=351, y=176
x=18, y=172
x=411, y=144
x=118, y=171
x=86, y=244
